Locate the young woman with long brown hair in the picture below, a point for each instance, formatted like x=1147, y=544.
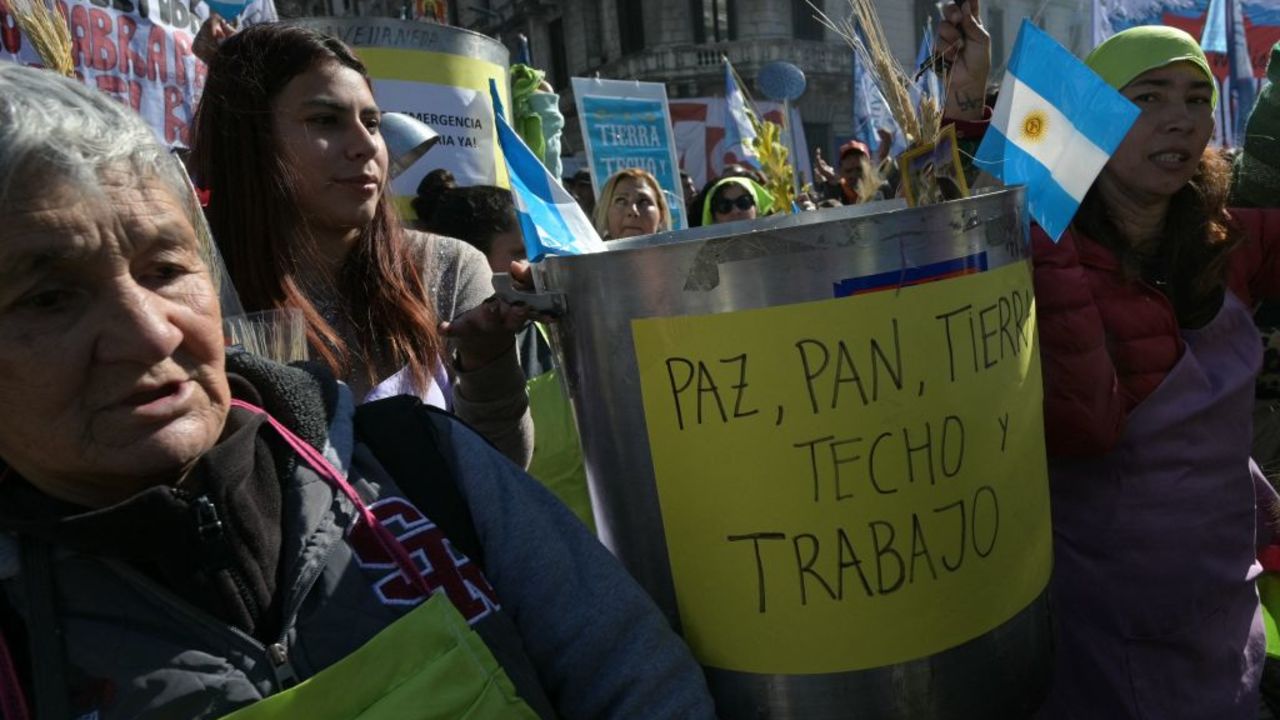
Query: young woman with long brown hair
x=286, y=141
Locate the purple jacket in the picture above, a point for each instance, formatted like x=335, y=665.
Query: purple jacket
x=1154, y=605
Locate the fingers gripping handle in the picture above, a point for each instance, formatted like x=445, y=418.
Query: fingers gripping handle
x=547, y=303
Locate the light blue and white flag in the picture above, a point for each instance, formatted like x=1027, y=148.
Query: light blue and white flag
x=925, y=53
x=870, y=110
x=1100, y=23
x=1214, y=37
x=551, y=221
x=1241, y=84
x=1055, y=125
x=928, y=84
x=738, y=131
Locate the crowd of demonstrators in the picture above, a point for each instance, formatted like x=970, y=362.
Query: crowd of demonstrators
x=631, y=204
x=485, y=217
x=842, y=184
x=688, y=190
x=580, y=187
x=1149, y=355
x=268, y=493
x=200, y=530
x=286, y=142
x=858, y=176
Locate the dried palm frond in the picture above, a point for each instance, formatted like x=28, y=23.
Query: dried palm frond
x=48, y=33
x=771, y=150
x=775, y=163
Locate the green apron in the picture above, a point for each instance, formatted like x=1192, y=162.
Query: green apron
x=557, y=455
x=1269, y=593
x=428, y=664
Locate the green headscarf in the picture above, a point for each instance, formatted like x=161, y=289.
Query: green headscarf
x=527, y=122
x=1127, y=54
x=764, y=200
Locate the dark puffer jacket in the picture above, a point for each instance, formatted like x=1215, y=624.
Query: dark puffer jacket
x=1107, y=342
x=148, y=628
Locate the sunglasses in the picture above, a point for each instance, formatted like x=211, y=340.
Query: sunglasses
x=743, y=202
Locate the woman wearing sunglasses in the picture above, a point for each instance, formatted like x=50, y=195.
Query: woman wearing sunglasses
x=736, y=198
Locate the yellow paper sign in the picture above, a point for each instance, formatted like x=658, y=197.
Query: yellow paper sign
x=851, y=483
x=451, y=94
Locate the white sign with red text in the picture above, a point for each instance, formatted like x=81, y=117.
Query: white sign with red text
x=138, y=51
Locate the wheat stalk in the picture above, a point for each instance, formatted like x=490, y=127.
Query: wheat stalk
x=893, y=81
x=48, y=33
x=870, y=182
x=930, y=117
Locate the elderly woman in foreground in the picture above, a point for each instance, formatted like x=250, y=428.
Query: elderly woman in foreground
x=191, y=534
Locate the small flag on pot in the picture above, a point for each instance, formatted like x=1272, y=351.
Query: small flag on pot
x=1055, y=125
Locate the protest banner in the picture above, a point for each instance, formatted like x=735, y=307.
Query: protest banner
x=628, y=124
x=440, y=75
x=1261, y=23
x=138, y=51
x=699, y=127
x=851, y=483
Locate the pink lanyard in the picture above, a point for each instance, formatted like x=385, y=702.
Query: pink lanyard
x=326, y=470
x=13, y=705
x=13, y=700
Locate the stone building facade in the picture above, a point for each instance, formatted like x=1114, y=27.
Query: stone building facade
x=680, y=42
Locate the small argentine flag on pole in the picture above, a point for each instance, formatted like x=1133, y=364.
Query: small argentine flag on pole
x=1055, y=125
x=738, y=132
x=551, y=221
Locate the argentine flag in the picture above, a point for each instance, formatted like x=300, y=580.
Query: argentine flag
x=738, y=131
x=1055, y=125
x=551, y=221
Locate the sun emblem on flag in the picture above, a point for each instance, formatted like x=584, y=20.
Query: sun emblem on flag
x=1035, y=125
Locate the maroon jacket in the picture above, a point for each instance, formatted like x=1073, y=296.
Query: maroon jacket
x=1107, y=342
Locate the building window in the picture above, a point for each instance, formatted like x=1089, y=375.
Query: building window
x=631, y=25
x=559, y=62
x=594, y=33
x=804, y=22
x=714, y=21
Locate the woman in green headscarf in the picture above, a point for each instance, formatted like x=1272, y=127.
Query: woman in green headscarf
x=1149, y=357
x=735, y=198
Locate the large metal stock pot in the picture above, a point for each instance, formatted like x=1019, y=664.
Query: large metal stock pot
x=776, y=261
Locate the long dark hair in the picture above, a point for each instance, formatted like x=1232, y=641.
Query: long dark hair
x=264, y=239
x=1190, y=262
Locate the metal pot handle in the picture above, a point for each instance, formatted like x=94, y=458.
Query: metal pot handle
x=548, y=303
